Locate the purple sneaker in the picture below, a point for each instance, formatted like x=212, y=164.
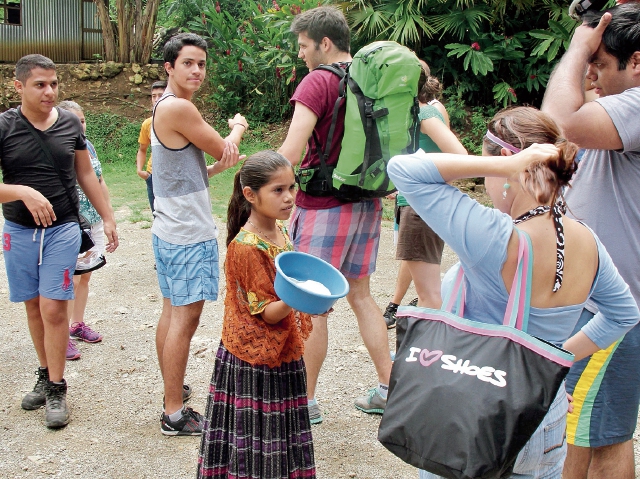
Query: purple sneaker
x=84, y=333
x=72, y=351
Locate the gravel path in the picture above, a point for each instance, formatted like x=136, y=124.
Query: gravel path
x=115, y=389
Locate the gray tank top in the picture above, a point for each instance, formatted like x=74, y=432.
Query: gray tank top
x=181, y=187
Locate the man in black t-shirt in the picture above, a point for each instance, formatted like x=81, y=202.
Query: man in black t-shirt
x=41, y=237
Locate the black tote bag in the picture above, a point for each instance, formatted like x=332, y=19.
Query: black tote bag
x=465, y=396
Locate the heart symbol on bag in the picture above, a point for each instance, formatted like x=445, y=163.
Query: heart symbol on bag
x=427, y=358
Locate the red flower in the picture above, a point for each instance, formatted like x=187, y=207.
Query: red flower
x=217, y=7
x=532, y=76
x=244, y=39
x=276, y=7
x=278, y=47
x=475, y=46
x=239, y=65
x=228, y=52
x=278, y=72
x=513, y=92
x=260, y=8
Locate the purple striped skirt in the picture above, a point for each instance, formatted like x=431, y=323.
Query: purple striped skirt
x=257, y=422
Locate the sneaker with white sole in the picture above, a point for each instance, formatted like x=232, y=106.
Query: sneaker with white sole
x=189, y=424
x=372, y=403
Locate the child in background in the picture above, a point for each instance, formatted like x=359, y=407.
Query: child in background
x=92, y=259
x=257, y=421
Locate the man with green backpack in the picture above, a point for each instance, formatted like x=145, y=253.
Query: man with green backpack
x=338, y=207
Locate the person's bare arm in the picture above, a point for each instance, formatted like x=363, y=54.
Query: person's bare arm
x=586, y=124
x=36, y=203
x=178, y=122
x=105, y=192
x=300, y=130
x=230, y=157
x=442, y=136
x=141, y=158
x=89, y=183
x=581, y=346
x=275, y=312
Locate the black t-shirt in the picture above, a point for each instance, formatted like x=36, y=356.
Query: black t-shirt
x=24, y=163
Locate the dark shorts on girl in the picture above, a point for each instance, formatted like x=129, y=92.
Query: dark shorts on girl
x=606, y=392
x=345, y=236
x=40, y=261
x=187, y=273
x=416, y=240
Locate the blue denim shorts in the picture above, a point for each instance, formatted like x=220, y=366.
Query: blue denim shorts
x=187, y=273
x=544, y=454
x=40, y=261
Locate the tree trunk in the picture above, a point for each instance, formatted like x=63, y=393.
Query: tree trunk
x=132, y=40
x=147, y=27
x=108, y=35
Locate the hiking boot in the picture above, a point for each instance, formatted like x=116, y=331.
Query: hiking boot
x=315, y=416
x=372, y=403
x=84, y=333
x=190, y=424
x=56, y=412
x=413, y=302
x=390, y=315
x=72, y=351
x=36, y=398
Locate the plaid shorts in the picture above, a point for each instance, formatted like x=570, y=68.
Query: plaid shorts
x=187, y=273
x=346, y=236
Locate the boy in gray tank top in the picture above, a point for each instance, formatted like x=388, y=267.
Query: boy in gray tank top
x=184, y=233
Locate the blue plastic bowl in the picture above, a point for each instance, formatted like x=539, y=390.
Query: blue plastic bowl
x=303, y=266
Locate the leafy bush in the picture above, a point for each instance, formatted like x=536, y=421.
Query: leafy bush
x=492, y=52
x=115, y=137
x=253, y=63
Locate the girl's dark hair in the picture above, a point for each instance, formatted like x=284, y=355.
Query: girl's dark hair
x=256, y=172
x=521, y=127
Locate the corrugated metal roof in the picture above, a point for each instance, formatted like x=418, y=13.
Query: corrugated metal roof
x=53, y=28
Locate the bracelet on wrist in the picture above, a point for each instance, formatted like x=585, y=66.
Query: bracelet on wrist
x=236, y=124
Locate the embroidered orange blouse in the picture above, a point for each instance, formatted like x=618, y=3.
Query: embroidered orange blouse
x=250, y=273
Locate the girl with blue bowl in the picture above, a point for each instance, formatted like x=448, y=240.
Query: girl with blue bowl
x=257, y=421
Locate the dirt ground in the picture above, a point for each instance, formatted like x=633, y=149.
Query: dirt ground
x=115, y=389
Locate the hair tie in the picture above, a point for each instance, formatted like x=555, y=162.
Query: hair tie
x=491, y=137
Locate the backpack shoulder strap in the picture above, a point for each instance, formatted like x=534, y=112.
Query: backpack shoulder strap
x=342, y=94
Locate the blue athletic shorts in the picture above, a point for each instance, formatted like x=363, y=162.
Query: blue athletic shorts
x=187, y=273
x=606, y=392
x=40, y=261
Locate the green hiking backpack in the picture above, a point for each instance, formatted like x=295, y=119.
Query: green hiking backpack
x=381, y=120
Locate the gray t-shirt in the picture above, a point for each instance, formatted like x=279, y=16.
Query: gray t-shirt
x=604, y=192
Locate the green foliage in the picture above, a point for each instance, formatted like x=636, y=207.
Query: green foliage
x=253, y=64
x=493, y=52
x=115, y=137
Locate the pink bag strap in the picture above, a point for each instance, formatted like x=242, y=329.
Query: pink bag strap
x=519, y=303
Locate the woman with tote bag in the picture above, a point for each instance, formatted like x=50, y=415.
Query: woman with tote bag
x=526, y=164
